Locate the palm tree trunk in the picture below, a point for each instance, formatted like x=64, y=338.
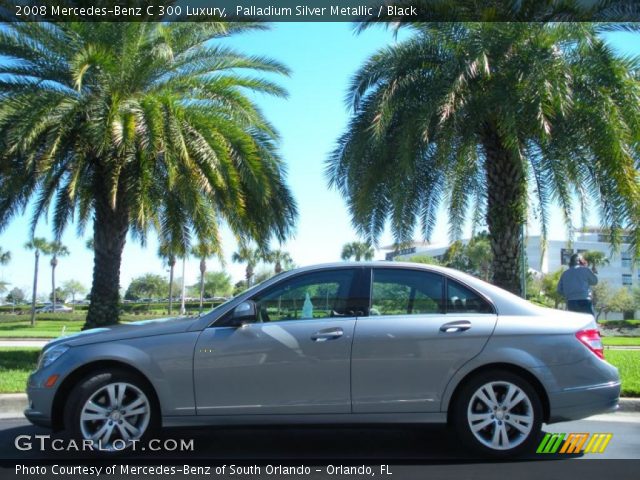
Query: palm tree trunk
x=183, y=309
x=35, y=291
x=110, y=228
x=249, y=274
x=506, y=210
x=53, y=282
x=171, y=287
x=203, y=268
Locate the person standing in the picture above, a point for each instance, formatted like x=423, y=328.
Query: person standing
x=575, y=285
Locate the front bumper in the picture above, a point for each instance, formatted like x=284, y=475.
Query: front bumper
x=38, y=418
x=40, y=400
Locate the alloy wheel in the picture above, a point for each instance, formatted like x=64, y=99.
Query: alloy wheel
x=500, y=415
x=115, y=415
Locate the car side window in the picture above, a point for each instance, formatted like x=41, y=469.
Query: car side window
x=405, y=292
x=309, y=296
x=460, y=299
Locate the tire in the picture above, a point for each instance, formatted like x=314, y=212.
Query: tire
x=498, y=428
x=91, y=413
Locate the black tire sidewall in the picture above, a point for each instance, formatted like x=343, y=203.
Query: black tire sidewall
x=459, y=413
x=89, y=384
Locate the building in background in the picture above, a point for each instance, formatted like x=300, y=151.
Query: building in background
x=619, y=272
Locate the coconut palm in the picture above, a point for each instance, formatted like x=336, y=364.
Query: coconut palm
x=250, y=256
x=357, y=250
x=169, y=251
x=5, y=258
x=278, y=258
x=204, y=250
x=38, y=245
x=137, y=126
x=56, y=249
x=480, y=114
x=595, y=259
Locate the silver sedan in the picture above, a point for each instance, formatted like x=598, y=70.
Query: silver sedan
x=342, y=343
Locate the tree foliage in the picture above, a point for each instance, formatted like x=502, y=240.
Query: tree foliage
x=216, y=284
x=134, y=127
x=357, y=250
x=147, y=286
x=473, y=114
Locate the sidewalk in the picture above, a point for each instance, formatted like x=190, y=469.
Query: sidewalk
x=24, y=342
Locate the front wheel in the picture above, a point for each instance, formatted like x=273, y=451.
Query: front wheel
x=112, y=409
x=498, y=413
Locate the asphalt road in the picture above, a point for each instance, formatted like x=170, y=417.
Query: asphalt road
x=376, y=444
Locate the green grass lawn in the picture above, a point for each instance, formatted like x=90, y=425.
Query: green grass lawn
x=50, y=326
x=624, y=341
x=628, y=363
x=15, y=366
x=16, y=363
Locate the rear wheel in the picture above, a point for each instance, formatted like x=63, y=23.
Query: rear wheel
x=498, y=413
x=111, y=408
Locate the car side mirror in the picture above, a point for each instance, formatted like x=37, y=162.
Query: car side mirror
x=246, y=312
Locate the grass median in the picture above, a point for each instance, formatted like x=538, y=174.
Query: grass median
x=621, y=341
x=16, y=363
x=15, y=366
x=52, y=325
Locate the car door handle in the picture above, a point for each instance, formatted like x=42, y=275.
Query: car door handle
x=327, y=334
x=458, y=326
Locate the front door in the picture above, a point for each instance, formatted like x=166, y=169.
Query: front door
x=294, y=359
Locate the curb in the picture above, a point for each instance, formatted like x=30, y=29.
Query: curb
x=13, y=404
x=629, y=405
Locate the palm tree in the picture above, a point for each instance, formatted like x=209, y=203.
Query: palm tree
x=170, y=251
x=204, y=250
x=472, y=113
x=5, y=258
x=278, y=258
x=38, y=245
x=250, y=256
x=136, y=126
x=595, y=259
x=357, y=250
x=56, y=249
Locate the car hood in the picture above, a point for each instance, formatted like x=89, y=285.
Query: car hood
x=123, y=331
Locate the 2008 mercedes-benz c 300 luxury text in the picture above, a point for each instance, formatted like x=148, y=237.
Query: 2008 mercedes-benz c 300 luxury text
x=342, y=343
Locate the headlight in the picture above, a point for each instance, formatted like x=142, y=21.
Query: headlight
x=51, y=355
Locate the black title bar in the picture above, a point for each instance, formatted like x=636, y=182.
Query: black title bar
x=321, y=10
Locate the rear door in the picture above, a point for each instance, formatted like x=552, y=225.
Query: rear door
x=422, y=327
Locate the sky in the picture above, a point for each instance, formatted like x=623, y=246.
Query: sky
x=322, y=58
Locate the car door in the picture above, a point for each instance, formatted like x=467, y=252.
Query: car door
x=422, y=327
x=294, y=359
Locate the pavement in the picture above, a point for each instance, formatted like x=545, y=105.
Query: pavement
x=321, y=444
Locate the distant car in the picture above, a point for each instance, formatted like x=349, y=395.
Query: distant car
x=343, y=343
x=58, y=309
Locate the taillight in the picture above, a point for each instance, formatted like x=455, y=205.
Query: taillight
x=591, y=338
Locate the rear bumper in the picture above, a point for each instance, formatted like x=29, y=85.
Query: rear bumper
x=577, y=403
